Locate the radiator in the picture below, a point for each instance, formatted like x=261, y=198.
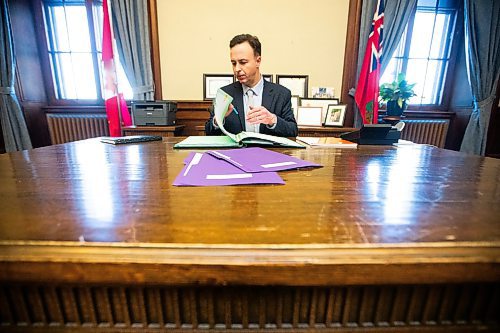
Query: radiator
x=429, y=131
x=66, y=127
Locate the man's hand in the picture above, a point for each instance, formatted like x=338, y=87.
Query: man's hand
x=228, y=112
x=260, y=115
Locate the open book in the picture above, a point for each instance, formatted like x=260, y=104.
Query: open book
x=221, y=105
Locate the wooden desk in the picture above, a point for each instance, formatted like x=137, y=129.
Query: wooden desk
x=323, y=131
x=165, y=131
x=304, y=131
x=94, y=237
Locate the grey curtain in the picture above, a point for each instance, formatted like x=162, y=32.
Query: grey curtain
x=396, y=16
x=131, y=29
x=482, y=49
x=14, y=128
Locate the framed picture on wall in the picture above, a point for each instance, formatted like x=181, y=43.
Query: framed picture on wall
x=309, y=116
x=335, y=115
x=296, y=83
x=323, y=102
x=212, y=82
x=295, y=105
x=268, y=77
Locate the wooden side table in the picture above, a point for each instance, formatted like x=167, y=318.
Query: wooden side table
x=165, y=131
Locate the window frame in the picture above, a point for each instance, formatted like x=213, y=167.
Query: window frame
x=456, y=39
x=49, y=79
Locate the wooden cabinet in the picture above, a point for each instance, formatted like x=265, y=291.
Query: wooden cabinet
x=165, y=131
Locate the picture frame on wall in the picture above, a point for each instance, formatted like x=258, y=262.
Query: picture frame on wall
x=298, y=84
x=295, y=100
x=309, y=116
x=212, y=82
x=335, y=115
x=268, y=77
x=323, y=102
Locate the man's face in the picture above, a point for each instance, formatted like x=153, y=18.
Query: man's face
x=245, y=64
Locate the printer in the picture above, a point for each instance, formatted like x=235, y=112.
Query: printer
x=154, y=113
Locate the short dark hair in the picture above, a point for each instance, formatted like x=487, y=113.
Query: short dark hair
x=252, y=40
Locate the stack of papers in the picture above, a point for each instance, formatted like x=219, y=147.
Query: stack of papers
x=237, y=167
x=330, y=142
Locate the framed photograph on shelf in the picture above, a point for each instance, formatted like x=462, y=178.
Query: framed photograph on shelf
x=323, y=102
x=295, y=105
x=268, y=77
x=212, y=82
x=296, y=83
x=322, y=92
x=335, y=115
x=309, y=116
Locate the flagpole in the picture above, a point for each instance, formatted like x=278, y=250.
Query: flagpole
x=115, y=78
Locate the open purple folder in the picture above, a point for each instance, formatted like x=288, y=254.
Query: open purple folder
x=202, y=169
x=260, y=160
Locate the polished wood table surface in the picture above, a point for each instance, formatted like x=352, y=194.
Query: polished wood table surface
x=84, y=215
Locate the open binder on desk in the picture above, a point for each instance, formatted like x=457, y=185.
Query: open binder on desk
x=221, y=105
x=374, y=134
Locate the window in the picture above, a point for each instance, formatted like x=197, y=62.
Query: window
x=424, y=50
x=74, y=38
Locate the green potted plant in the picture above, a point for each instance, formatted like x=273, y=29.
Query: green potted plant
x=396, y=94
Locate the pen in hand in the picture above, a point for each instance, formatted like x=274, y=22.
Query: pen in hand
x=234, y=110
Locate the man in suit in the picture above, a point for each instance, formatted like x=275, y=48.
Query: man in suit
x=258, y=105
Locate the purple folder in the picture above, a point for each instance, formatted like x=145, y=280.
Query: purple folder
x=202, y=169
x=260, y=160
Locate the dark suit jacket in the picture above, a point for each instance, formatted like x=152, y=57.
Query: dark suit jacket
x=275, y=98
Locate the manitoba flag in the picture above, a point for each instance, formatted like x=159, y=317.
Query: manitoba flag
x=115, y=103
x=367, y=89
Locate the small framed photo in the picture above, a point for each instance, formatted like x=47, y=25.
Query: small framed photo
x=322, y=92
x=335, y=115
x=295, y=105
x=212, y=82
x=323, y=102
x=268, y=77
x=309, y=116
x=296, y=83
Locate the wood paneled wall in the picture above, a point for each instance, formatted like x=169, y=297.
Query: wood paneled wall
x=30, y=76
x=192, y=114
x=493, y=142
x=2, y=143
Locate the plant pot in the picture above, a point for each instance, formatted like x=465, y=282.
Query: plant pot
x=393, y=108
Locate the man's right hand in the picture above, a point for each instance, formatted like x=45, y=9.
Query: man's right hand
x=228, y=112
